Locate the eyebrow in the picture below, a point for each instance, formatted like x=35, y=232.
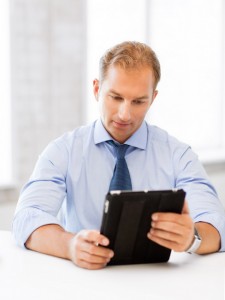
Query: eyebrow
x=138, y=98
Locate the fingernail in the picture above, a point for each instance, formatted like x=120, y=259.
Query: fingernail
x=105, y=242
x=154, y=217
x=111, y=254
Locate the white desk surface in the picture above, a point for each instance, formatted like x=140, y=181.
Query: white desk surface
x=29, y=275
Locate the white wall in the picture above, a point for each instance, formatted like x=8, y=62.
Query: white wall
x=48, y=42
x=216, y=174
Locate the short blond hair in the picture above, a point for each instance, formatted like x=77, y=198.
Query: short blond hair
x=130, y=55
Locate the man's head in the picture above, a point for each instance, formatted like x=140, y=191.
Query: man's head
x=130, y=56
x=129, y=73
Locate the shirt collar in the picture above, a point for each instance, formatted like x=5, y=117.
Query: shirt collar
x=138, y=139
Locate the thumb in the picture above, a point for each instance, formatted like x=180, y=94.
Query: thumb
x=185, y=209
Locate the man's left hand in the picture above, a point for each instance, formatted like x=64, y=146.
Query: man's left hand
x=171, y=230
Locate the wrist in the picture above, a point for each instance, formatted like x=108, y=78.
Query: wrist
x=196, y=242
x=69, y=245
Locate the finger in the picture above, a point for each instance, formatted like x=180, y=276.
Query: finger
x=90, y=266
x=168, y=239
x=181, y=227
x=92, y=249
x=94, y=259
x=92, y=256
x=168, y=226
x=82, y=258
x=167, y=216
x=177, y=242
x=181, y=219
x=94, y=236
x=165, y=235
x=167, y=243
x=85, y=241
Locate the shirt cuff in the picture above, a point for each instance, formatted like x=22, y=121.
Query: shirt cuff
x=217, y=222
x=27, y=221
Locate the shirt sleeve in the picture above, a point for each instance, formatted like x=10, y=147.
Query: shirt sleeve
x=202, y=198
x=41, y=198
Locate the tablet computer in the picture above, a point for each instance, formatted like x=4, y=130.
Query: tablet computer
x=127, y=220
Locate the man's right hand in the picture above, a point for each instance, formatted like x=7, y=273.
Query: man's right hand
x=86, y=251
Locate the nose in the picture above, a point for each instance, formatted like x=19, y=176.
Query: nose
x=125, y=111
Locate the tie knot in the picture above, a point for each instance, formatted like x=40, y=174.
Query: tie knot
x=120, y=149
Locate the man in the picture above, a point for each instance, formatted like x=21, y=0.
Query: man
x=60, y=209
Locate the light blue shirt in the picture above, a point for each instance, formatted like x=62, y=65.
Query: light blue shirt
x=72, y=177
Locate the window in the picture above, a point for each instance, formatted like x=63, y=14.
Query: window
x=108, y=23
x=5, y=135
x=189, y=39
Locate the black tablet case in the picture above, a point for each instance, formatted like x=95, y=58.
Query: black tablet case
x=127, y=220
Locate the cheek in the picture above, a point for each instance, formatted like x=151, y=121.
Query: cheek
x=107, y=107
x=140, y=115
x=104, y=109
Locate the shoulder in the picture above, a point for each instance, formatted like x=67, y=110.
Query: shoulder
x=65, y=143
x=79, y=134
x=160, y=137
x=168, y=148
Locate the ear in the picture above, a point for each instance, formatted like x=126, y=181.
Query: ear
x=96, y=88
x=154, y=95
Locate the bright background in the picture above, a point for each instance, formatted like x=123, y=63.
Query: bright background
x=49, y=53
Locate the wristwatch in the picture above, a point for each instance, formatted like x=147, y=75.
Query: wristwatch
x=196, y=243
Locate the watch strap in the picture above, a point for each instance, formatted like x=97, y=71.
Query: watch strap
x=196, y=242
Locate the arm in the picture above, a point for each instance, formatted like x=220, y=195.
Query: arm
x=83, y=249
x=206, y=210
x=210, y=238
x=176, y=232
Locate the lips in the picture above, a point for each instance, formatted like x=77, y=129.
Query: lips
x=120, y=124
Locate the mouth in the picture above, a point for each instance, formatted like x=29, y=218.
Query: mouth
x=121, y=124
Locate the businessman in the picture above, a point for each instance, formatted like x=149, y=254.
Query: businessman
x=60, y=208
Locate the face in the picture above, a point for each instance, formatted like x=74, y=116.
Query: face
x=124, y=98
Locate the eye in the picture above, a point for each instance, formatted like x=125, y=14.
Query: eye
x=138, y=101
x=117, y=98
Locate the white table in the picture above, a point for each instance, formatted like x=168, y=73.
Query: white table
x=29, y=275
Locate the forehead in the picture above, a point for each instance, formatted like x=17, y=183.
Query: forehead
x=142, y=77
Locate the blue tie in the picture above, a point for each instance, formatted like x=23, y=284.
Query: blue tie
x=121, y=176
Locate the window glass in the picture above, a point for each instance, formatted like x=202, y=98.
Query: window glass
x=188, y=38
